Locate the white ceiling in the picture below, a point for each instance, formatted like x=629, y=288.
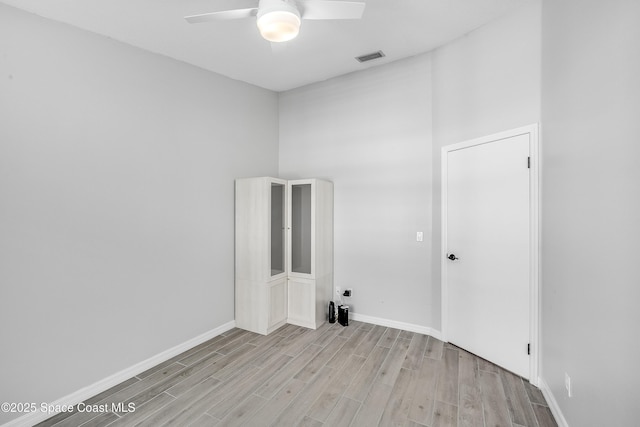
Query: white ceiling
x=324, y=49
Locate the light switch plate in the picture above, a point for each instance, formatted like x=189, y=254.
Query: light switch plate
x=419, y=236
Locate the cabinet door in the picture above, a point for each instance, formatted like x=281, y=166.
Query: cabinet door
x=277, y=228
x=301, y=224
x=302, y=303
x=277, y=303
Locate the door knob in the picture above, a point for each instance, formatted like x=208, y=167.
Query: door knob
x=452, y=257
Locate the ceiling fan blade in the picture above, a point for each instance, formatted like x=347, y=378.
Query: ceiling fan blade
x=327, y=9
x=222, y=16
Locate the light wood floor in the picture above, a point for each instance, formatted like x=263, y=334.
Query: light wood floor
x=360, y=375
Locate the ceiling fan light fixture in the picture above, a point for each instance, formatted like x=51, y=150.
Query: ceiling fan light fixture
x=279, y=25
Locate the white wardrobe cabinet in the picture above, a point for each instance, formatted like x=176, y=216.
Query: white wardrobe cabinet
x=284, y=252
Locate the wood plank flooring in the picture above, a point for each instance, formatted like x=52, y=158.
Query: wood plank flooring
x=361, y=375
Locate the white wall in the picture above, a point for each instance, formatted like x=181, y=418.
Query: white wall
x=591, y=208
x=117, y=171
x=370, y=133
x=483, y=83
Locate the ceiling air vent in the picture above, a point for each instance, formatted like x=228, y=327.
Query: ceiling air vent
x=370, y=56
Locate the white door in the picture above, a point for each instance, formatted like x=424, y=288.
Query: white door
x=487, y=244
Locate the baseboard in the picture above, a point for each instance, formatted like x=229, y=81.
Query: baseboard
x=396, y=324
x=106, y=383
x=553, y=403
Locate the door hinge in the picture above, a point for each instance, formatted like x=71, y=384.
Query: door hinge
x=529, y=162
x=529, y=349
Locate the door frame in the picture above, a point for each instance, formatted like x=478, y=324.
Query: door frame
x=534, y=234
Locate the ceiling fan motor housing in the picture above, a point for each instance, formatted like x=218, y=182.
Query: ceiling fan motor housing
x=278, y=20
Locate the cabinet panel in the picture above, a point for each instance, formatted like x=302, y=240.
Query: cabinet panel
x=278, y=210
x=252, y=299
x=302, y=303
x=277, y=303
x=301, y=228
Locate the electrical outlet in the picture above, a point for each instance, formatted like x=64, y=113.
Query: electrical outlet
x=567, y=384
x=338, y=291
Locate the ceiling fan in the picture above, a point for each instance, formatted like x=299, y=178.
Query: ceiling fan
x=279, y=20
